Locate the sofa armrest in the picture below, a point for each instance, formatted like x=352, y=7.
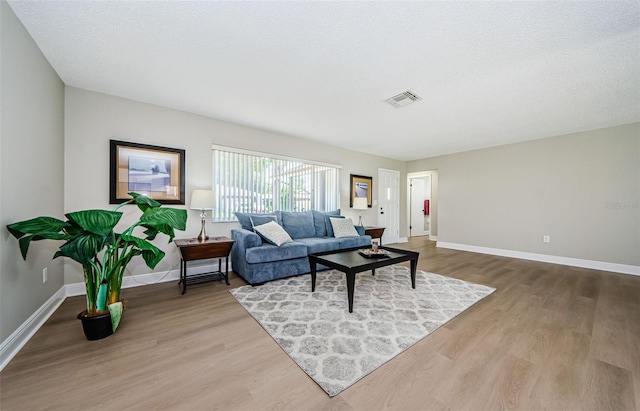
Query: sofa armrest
x=359, y=229
x=245, y=238
x=242, y=241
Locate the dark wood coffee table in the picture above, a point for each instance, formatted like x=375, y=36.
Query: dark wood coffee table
x=351, y=262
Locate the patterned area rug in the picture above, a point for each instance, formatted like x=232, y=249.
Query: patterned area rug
x=337, y=348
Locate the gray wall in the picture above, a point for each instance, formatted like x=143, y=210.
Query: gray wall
x=581, y=189
x=31, y=169
x=93, y=118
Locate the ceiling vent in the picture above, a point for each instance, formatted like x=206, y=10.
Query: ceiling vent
x=403, y=99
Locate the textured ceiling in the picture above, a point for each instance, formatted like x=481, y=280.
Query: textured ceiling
x=489, y=73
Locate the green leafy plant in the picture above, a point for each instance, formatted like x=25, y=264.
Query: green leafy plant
x=104, y=254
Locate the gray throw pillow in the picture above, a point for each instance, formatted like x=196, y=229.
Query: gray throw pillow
x=328, y=223
x=273, y=233
x=343, y=227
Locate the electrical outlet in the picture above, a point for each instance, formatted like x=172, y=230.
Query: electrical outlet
x=45, y=275
x=546, y=239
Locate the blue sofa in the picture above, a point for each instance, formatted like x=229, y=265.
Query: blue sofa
x=258, y=261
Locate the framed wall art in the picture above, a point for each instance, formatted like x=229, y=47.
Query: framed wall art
x=361, y=186
x=157, y=172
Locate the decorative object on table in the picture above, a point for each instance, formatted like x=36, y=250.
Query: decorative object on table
x=361, y=186
x=375, y=232
x=374, y=251
x=336, y=348
x=203, y=200
x=370, y=253
x=153, y=171
x=360, y=203
x=196, y=249
x=90, y=240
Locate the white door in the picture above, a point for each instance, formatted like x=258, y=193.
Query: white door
x=389, y=204
x=419, y=222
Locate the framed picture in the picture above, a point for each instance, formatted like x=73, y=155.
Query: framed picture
x=361, y=186
x=157, y=172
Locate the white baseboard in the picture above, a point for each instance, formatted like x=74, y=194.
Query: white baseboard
x=129, y=281
x=12, y=345
x=574, y=262
x=138, y=280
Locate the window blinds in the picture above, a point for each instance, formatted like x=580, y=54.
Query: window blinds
x=253, y=182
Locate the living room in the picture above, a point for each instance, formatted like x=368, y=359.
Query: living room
x=583, y=188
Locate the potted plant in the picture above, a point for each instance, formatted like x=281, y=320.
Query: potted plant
x=90, y=240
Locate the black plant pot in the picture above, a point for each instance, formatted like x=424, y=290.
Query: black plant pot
x=96, y=327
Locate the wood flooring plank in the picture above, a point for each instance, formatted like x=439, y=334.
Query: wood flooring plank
x=633, y=340
x=561, y=380
x=510, y=388
x=474, y=329
x=607, y=388
x=468, y=380
x=610, y=341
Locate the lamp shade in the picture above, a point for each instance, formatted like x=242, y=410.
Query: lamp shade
x=360, y=203
x=203, y=200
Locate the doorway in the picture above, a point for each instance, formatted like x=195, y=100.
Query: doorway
x=389, y=204
x=422, y=204
x=420, y=198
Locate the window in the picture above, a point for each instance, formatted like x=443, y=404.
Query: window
x=253, y=182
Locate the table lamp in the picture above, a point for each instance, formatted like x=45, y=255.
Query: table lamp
x=360, y=203
x=202, y=200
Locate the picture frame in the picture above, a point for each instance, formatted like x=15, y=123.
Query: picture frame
x=154, y=171
x=361, y=186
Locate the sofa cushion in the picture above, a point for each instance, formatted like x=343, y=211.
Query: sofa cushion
x=273, y=233
x=245, y=219
x=319, y=245
x=269, y=253
x=320, y=221
x=343, y=227
x=299, y=224
x=350, y=242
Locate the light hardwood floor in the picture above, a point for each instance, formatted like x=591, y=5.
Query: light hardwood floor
x=550, y=338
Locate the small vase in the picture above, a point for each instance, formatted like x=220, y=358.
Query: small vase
x=96, y=327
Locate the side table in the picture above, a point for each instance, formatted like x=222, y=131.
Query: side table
x=214, y=247
x=375, y=232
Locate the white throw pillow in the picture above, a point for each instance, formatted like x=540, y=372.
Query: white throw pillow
x=273, y=233
x=343, y=227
